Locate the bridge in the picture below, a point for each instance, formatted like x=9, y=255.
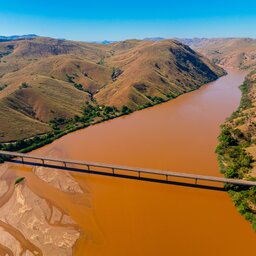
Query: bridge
x=120, y=171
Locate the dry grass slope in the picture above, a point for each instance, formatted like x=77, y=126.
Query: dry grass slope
x=42, y=79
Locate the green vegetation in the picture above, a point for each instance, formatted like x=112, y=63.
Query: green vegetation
x=70, y=78
x=2, y=87
x=157, y=100
x=24, y=86
x=79, y=86
x=76, y=85
x=232, y=152
x=9, y=51
x=126, y=110
x=235, y=161
x=19, y=180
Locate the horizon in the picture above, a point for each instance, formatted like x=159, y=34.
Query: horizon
x=127, y=39
x=116, y=21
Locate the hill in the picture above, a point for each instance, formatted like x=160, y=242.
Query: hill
x=155, y=71
x=48, y=84
x=229, y=52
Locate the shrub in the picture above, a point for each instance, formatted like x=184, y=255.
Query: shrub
x=125, y=110
x=78, y=86
x=108, y=110
x=24, y=86
x=2, y=87
x=19, y=180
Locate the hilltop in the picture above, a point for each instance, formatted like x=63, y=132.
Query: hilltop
x=45, y=80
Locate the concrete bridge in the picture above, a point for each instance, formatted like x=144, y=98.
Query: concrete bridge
x=121, y=171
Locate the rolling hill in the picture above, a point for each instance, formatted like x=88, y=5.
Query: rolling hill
x=45, y=79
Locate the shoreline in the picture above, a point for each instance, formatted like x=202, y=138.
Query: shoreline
x=38, y=141
x=235, y=160
x=73, y=209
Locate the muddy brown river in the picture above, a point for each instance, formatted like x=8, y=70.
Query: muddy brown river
x=127, y=217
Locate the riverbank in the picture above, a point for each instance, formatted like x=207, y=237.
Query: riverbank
x=92, y=114
x=127, y=217
x=237, y=149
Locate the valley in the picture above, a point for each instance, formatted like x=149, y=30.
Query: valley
x=103, y=208
x=50, y=88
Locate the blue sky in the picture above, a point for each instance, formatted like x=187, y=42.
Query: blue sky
x=118, y=20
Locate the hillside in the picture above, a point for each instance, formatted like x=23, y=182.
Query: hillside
x=45, y=83
x=237, y=149
x=229, y=52
x=155, y=71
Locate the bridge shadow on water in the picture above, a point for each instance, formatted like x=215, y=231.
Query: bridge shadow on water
x=119, y=175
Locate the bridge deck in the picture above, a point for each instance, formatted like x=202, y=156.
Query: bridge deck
x=115, y=168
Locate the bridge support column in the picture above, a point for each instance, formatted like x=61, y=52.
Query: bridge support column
x=196, y=181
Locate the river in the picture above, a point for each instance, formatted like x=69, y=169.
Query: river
x=127, y=217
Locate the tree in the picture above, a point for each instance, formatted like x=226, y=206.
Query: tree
x=125, y=110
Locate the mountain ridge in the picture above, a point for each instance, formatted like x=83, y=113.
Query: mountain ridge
x=17, y=37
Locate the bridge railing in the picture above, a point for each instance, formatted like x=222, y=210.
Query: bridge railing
x=114, y=170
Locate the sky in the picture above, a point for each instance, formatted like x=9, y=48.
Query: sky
x=119, y=19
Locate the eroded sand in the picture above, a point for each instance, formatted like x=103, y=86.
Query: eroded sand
x=30, y=224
